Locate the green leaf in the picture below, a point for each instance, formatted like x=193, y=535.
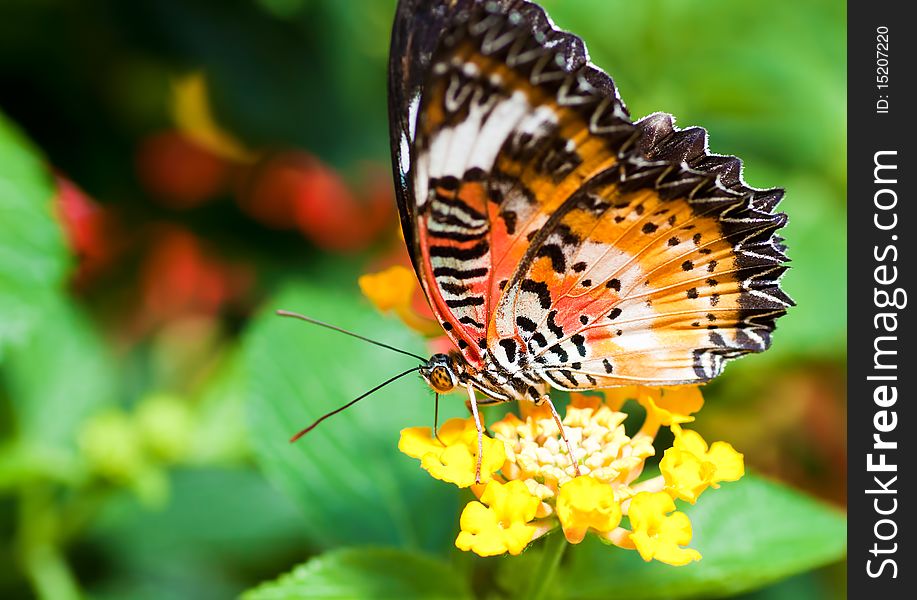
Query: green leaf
x=33, y=256
x=347, y=475
x=58, y=376
x=366, y=573
x=221, y=433
x=750, y=533
x=236, y=528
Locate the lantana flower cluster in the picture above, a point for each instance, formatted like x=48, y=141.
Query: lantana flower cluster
x=529, y=485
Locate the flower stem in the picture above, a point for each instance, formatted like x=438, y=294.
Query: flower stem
x=540, y=581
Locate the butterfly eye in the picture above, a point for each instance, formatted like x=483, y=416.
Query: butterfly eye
x=441, y=380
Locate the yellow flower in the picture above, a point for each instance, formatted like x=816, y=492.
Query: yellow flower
x=453, y=456
x=657, y=534
x=532, y=486
x=616, y=397
x=689, y=467
x=585, y=503
x=389, y=289
x=668, y=406
x=537, y=454
x=392, y=290
x=499, y=522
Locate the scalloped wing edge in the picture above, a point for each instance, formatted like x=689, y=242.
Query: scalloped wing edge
x=678, y=160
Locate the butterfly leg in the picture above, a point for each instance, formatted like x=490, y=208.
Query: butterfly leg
x=436, y=420
x=547, y=399
x=473, y=405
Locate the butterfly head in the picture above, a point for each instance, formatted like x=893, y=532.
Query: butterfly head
x=440, y=373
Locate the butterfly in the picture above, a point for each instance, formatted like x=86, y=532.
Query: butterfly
x=561, y=244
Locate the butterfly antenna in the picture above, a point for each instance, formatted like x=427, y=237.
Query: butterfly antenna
x=286, y=313
x=349, y=404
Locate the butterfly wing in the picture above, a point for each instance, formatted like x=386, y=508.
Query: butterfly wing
x=550, y=231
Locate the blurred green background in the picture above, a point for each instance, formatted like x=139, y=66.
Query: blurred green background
x=173, y=170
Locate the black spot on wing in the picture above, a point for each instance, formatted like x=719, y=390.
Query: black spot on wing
x=462, y=302
x=459, y=273
x=556, y=254
x=540, y=289
x=568, y=376
x=526, y=324
x=509, y=218
x=560, y=352
x=556, y=329
x=466, y=320
x=509, y=347
x=580, y=342
x=456, y=289
x=476, y=251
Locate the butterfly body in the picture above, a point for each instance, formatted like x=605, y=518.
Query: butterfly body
x=561, y=244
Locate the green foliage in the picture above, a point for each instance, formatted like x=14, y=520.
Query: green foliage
x=114, y=484
x=366, y=573
x=63, y=369
x=218, y=527
x=54, y=362
x=347, y=477
x=33, y=258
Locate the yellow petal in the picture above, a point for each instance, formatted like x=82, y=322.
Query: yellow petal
x=453, y=457
x=585, y=503
x=616, y=397
x=584, y=401
x=389, y=289
x=417, y=442
x=503, y=525
x=454, y=430
x=480, y=531
x=676, y=532
x=689, y=468
x=730, y=465
x=657, y=534
x=671, y=404
x=684, y=474
x=689, y=441
x=193, y=116
x=454, y=464
x=512, y=502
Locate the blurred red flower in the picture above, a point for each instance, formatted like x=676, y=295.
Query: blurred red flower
x=178, y=172
x=295, y=190
x=89, y=228
x=180, y=277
